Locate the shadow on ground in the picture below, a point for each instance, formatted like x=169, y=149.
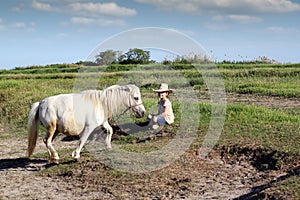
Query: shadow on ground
x=15, y=163
x=257, y=192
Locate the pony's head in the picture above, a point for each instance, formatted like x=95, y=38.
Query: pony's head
x=135, y=103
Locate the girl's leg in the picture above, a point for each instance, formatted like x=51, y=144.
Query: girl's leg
x=161, y=120
x=158, y=121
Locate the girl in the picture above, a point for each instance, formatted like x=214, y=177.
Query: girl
x=165, y=114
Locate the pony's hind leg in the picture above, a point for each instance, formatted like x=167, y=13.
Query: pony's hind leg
x=53, y=156
x=108, y=136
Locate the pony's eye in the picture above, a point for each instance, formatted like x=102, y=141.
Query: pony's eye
x=136, y=98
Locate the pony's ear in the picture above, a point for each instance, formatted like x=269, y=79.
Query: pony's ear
x=126, y=89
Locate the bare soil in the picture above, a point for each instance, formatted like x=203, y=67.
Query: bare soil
x=249, y=99
x=222, y=175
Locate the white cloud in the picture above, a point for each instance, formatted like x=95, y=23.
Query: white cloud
x=223, y=22
x=242, y=19
x=18, y=8
x=226, y=6
x=276, y=6
x=42, y=6
x=80, y=7
x=19, y=25
x=94, y=21
x=276, y=29
x=216, y=27
x=280, y=29
x=23, y=26
x=16, y=26
x=245, y=19
x=84, y=12
x=62, y=35
x=111, y=9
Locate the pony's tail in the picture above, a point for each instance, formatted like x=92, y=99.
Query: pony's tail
x=33, y=125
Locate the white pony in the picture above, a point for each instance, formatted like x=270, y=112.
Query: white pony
x=79, y=114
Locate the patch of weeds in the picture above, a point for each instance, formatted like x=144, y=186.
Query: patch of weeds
x=125, y=139
x=262, y=159
x=67, y=165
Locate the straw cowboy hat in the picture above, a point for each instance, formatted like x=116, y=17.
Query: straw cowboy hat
x=163, y=87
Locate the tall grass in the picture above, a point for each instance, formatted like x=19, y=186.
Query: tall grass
x=255, y=125
x=17, y=96
x=277, y=127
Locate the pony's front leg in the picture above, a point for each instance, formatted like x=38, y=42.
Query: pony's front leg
x=83, y=138
x=109, y=135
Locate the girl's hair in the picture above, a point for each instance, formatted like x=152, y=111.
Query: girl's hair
x=168, y=93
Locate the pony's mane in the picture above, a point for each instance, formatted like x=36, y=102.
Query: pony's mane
x=111, y=99
x=92, y=95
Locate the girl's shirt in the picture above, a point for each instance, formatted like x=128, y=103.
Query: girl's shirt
x=165, y=106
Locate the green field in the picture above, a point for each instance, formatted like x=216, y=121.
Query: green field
x=262, y=108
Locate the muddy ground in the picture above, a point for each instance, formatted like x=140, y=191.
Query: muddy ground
x=236, y=174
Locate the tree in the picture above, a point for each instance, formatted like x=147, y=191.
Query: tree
x=107, y=57
x=135, y=56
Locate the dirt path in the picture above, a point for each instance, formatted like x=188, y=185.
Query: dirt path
x=256, y=100
x=263, y=100
x=19, y=178
x=189, y=177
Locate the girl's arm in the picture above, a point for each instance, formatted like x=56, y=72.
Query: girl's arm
x=167, y=108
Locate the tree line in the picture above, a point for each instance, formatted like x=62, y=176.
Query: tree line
x=133, y=56
x=139, y=56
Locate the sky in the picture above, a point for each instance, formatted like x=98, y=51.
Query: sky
x=41, y=32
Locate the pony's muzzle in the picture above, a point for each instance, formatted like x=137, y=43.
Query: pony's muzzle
x=139, y=111
x=140, y=114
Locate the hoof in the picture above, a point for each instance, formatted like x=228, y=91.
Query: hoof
x=75, y=156
x=109, y=149
x=54, y=161
x=77, y=159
